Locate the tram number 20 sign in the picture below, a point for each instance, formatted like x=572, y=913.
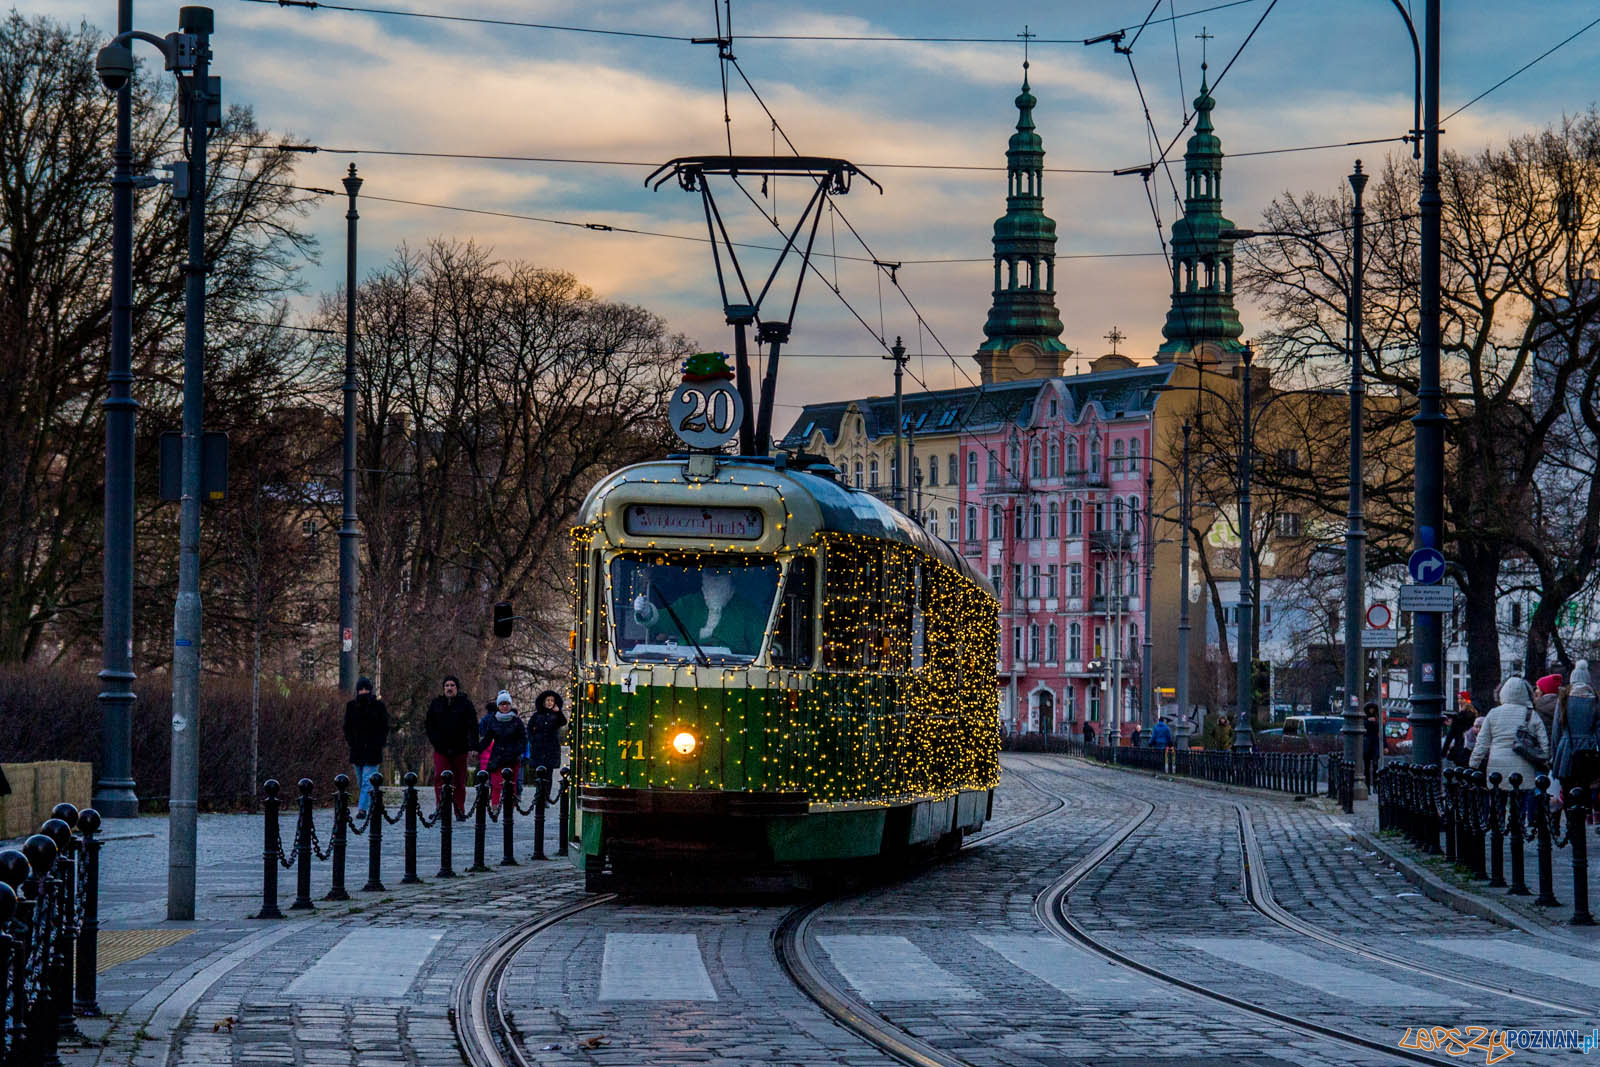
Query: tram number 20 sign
x=706, y=414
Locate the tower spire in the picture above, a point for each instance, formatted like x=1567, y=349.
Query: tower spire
x=1202, y=324
x=1023, y=331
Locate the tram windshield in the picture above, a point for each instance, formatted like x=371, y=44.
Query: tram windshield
x=715, y=612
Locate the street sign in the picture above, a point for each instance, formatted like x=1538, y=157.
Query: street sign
x=1379, y=616
x=1379, y=637
x=1426, y=566
x=1439, y=598
x=347, y=640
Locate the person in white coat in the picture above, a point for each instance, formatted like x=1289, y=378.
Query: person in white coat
x=1497, y=735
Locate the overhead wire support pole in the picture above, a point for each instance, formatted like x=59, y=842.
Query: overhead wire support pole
x=349, y=534
x=1355, y=532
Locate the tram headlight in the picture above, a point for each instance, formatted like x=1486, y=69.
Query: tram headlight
x=684, y=742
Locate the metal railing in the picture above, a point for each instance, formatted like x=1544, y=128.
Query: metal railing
x=1300, y=773
x=308, y=846
x=1474, y=823
x=49, y=933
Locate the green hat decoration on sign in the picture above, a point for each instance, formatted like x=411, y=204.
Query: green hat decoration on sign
x=706, y=367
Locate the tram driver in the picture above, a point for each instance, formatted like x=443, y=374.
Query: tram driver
x=714, y=616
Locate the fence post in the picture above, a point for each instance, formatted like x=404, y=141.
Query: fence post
x=1497, y=809
x=563, y=816
x=541, y=785
x=341, y=831
x=447, y=794
x=480, y=828
x=16, y=1021
x=1578, y=835
x=1517, y=820
x=302, y=847
x=270, y=842
x=1541, y=823
x=58, y=971
x=8, y=908
x=410, y=877
x=86, y=998
x=39, y=1023
x=1478, y=795
x=375, y=837
x=508, y=815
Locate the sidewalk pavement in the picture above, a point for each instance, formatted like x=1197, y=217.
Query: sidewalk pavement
x=373, y=974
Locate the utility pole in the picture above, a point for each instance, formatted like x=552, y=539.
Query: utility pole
x=349, y=571
x=1183, y=731
x=1146, y=676
x=1427, y=628
x=1355, y=534
x=897, y=468
x=1243, y=740
x=113, y=793
x=196, y=24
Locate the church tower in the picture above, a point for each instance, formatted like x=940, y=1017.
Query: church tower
x=1202, y=325
x=1023, y=332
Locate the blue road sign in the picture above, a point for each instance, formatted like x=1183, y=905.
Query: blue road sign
x=1426, y=566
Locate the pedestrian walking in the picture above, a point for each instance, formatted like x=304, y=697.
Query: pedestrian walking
x=452, y=729
x=1546, y=697
x=1370, y=740
x=544, y=732
x=1088, y=733
x=1225, y=731
x=1511, y=738
x=1138, y=734
x=1456, y=745
x=1161, y=737
x=1577, y=744
x=504, y=739
x=366, y=730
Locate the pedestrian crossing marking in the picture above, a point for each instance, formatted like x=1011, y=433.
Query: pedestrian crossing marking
x=654, y=967
x=369, y=963
x=886, y=967
x=1080, y=974
x=1585, y=970
x=1325, y=976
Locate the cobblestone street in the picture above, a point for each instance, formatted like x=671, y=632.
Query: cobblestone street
x=954, y=956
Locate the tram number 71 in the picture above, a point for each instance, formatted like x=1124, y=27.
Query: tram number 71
x=631, y=749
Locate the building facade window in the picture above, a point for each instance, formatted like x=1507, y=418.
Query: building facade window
x=933, y=469
x=1016, y=644
x=994, y=579
x=1052, y=644
x=1016, y=581
x=952, y=478
x=1075, y=519
x=1074, y=579
x=994, y=467
x=1034, y=521
x=1116, y=456
x=1019, y=522
x=872, y=473
x=1074, y=642
x=1033, y=581
x=1133, y=456
x=996, y=529
x=972, y=468
x=858, y=474
x=1033, y=642
x=1053, y=521
x=972, y=523
x=1051, y=581
x=1094, y=454
x=1035, y=461
x=1053, y=460
x=950, y=524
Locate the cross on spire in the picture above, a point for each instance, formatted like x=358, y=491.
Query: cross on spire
x=1116, y=337
x=1026, y=35
x=1203, y=37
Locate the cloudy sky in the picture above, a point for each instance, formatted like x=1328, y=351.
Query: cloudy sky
x=1314, y=73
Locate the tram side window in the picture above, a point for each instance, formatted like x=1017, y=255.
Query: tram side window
x=792, y=643
x=597, y=610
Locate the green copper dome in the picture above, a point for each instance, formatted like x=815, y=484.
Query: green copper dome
x=1202, y=312
x=1023, y=331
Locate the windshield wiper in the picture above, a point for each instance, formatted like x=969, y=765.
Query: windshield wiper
x=655, y=593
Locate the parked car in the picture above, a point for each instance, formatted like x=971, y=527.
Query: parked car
x=1312, y=725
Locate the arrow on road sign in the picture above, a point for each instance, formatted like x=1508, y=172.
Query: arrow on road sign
x=1426, y=566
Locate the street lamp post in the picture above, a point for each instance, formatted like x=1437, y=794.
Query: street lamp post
x=195, y=23
x=1147, y=713
x=1355, y=533
x=349, y=572
x=897, y=469
x=1427, y=628
x=113, y=792
x=1183, y=731
x=1243, y=740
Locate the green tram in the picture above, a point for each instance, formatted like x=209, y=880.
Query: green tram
x=771, y=669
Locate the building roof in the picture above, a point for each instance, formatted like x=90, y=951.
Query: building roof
x=978, y=409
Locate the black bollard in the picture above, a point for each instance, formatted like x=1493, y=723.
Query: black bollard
x=303, y=853
x=563, y=816
x=8, y=951
x=1497, y=811
x=1541, y=824
x=16, y=1021
x=1477, y=800
x=269, y=852
x=1518, y=827
x=341, y=832
x=39, y=1020
x=410, y=877
x=508, y=813
x=375, y=837
x=480, y=828
x=1578, y=834
x=541, y=786
x=447, y=798
x=86, y=997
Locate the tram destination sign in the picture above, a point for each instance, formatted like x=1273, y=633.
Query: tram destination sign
x=669, y=520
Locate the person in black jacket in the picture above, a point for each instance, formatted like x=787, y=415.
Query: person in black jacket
x=366, y=728
x=544, y=732
x=452, y=727
x=504, y=739
x=1370, y=742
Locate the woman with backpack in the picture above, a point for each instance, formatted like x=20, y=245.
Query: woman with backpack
x=1577, y=734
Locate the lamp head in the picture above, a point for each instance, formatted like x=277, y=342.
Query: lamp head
x=114, y=64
